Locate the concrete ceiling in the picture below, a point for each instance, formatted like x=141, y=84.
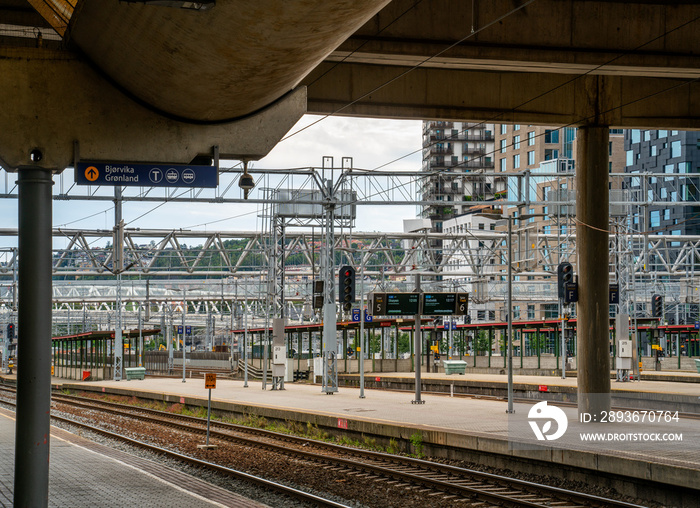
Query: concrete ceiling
x=111, y=74
x=218, y=64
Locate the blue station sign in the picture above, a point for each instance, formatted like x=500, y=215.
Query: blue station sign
x=145, y=175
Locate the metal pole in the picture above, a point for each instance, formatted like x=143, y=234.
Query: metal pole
x=140, y=339
x=208, y=415
x=31, y=483
x=245, y=345
x=417, y=348
x=563, y=340
x=184, y=340
x=169, y=339
x=117, y=266
x=362, y=328
x=510, y=316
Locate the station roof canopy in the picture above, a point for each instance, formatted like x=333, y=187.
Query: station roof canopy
x=105, y=335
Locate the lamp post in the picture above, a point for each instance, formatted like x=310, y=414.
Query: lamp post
x=510, y=315
x=184, y=336
x=509, y=338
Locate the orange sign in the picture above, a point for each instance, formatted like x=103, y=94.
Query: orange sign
x=91, y=173
x=210, y=380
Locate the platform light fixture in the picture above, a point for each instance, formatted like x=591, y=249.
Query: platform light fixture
x=246, y=181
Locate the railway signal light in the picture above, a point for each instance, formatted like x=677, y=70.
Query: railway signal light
x=565, y=275
x=346, y=287
x=10, y=331
x=657, y=306
x=317, y=297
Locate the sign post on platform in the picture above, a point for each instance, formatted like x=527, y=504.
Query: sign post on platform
x=209, y=384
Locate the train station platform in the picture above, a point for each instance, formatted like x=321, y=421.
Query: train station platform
x=83, y=473
x=475, y=428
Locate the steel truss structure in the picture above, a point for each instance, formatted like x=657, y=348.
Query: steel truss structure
x=377, y=187
x=641, y=260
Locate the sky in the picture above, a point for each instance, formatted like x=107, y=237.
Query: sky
x=370, y=142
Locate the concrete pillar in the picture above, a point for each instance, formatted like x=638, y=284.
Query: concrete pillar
x=592, y=203
x=34, y=339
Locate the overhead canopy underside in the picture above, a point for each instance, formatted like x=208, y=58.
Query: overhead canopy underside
x=217, y=64
x=150, y=80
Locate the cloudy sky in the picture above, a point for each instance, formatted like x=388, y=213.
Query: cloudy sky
x=370, y=142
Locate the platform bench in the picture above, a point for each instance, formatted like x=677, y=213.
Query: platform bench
x=135, y=373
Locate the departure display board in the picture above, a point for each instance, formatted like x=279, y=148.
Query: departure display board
x=402, y=304
x=439, y=304
x=411, y=304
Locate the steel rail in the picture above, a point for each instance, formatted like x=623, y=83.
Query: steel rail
x=386, y=465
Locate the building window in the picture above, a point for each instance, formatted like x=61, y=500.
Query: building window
x=481, y=315
x=662, y=134
x=530, y=311
x=504, y=128
x=503, y=146
x=550, y=154
x=502, y=163
x=675, y=149
x=636, y=135
x=516, y=142
x=516, y=127
x=530, y=158
x=531, y=138
x=551, y=310
x=551, y=136
x=630, y=158
x=481, y=225
x=653, y=150
x=516, y=161
x=655, y=218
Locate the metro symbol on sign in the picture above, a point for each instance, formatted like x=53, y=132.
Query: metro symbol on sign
x=155, y=175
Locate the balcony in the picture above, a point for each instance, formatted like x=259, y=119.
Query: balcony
x=428, y=126
x=474, y=151
x=477, y=164
x=441, y=150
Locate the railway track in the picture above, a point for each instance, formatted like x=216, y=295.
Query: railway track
x=306, y=498
x=429, y=478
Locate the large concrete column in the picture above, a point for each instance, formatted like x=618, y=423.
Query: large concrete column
x=34, y=339
x=592, y=197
